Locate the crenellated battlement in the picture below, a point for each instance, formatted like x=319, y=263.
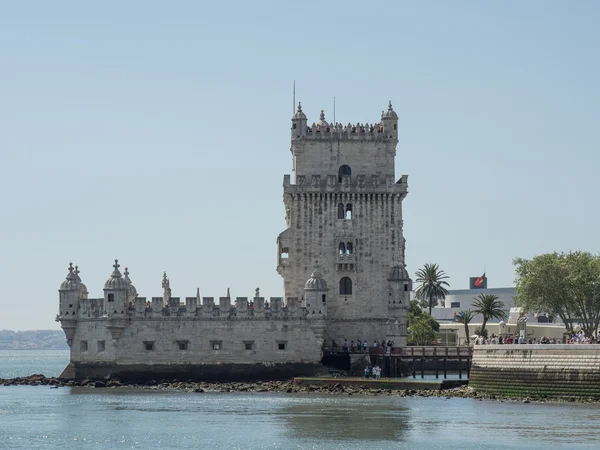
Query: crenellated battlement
x=349, y=132
x=345, y=183
x=385, y=129
x=242, y=308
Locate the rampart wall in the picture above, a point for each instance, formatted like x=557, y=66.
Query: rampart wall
x=536, y=370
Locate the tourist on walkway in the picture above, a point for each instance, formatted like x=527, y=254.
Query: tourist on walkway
x=367, y=371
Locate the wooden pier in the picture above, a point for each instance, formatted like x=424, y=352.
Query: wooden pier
x=415, y=360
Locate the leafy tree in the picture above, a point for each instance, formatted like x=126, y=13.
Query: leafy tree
x=420, y=331
x=563, y=284
x=416, y=311
x=490, y=307
x=432, y=284
x=465, y=318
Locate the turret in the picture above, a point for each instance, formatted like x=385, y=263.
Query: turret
x=68, y=294
x=116, y=292
x=83, y=292
x=299, y=123
x=389, y=119
x=315, y=294
x=400, y=288
x=132, y=291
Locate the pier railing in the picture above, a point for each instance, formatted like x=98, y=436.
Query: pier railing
x=410, y=360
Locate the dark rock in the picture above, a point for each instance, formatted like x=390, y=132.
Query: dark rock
x=99, y=384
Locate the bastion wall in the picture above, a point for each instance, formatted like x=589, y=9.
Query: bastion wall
x=536, y=370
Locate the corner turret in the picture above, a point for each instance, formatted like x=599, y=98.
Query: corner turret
x=315, y=293
x=400, y=287
x=389, y=120
x=299, y=123
x=68, y=303
x=116, y=290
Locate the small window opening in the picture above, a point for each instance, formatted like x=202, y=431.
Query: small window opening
x=324, y=298
x=111, y=297
x=454, y=304
x=346, y=286
x=344, y=171
x=342, y=248
x=349, y=211
x=248, y=345
x=349, y=248
x=294, y=126
x=406, y=288
x=101, y=346
x=216, y=345
x=395, y=127
x=285, y=253
x=149, y=346
x=83, y=346
x=183, y=345
x=281, y=345
x=341, y=211
x=70, y=306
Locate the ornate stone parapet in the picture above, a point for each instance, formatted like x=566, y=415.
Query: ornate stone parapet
x=353, y=184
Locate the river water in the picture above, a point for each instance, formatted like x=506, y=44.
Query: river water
x=43, y=418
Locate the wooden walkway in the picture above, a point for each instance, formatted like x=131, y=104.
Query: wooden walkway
x=439, y=360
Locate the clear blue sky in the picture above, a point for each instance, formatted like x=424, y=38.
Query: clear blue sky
x=158, y=133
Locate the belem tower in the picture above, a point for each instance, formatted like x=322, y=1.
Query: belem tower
x=341, y=258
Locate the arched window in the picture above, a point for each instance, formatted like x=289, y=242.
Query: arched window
x=348, y=211
x=346, y=286
x=324, y=298
x=342, y=248
x=349, y=248
x=344, y=170
x=341, y=211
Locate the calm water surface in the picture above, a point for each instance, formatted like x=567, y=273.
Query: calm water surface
x=20, y=363
x=43, y=418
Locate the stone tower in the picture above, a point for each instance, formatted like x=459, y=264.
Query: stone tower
x=344, y=219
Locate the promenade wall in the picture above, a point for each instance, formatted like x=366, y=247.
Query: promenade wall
x=536, y=370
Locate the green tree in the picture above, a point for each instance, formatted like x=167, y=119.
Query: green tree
x=489, y=307
x=465, y=318
x=416, y=311
x=432, y=284
x=420, y=331
x=563, y=284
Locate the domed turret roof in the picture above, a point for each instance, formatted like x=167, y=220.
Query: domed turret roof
x=70, y=283
x=399, y=273
x=322, y=122
x=315, y=282
x=116, y=280
x=82, y=287
x=132, y=289
x=390, y=113
x=299, y=114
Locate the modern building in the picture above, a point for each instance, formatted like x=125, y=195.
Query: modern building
x=462, y=300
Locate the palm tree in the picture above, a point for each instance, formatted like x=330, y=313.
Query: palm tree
x=489, y=307
x=465, y=318
x=432, y=285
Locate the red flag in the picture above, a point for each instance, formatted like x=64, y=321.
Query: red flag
x=479, y=281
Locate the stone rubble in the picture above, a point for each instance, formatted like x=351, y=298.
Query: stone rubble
x=288, y=387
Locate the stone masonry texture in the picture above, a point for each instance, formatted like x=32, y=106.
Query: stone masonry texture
x=536, y=370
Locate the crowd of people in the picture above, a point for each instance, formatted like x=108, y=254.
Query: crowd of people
x=359, y=346
x=575, y=338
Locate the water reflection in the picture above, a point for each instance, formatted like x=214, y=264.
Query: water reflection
x=346, y=419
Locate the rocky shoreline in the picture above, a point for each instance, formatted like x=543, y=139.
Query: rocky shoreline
x=288, y=387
